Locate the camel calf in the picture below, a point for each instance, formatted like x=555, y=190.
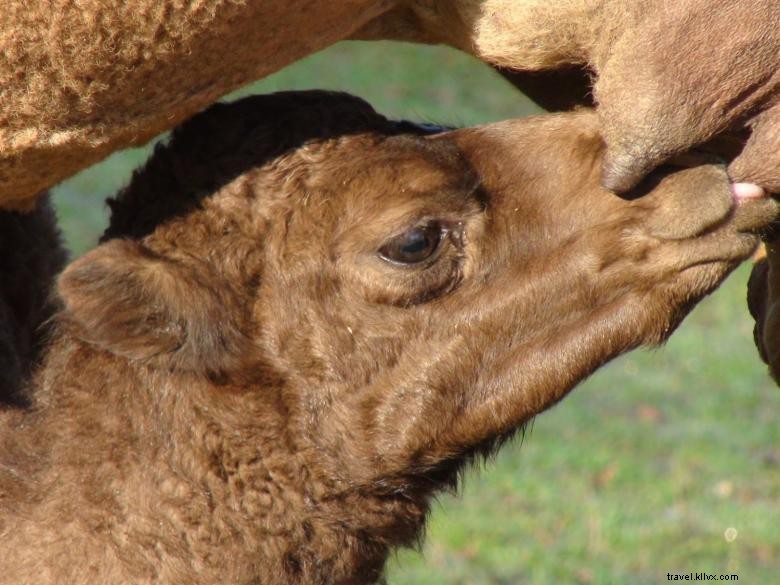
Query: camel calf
x=305, y=318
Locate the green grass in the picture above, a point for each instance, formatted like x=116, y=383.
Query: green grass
x=640, y=471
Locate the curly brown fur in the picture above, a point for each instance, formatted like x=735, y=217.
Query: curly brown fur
x=32, y=256
x=243, y=390
x=79, y=80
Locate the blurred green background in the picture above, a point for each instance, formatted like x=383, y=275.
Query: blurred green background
x=664, y=461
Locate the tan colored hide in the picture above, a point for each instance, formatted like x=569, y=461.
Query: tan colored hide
x=80, y=79
x=668, y=74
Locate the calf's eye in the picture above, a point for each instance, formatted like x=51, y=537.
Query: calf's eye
x=414, y=245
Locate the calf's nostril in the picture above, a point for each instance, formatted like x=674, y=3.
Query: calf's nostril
x=690, y=202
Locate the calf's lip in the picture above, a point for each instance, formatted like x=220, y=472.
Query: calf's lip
x=754, y=211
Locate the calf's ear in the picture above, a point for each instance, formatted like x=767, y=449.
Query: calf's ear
x=131, y=302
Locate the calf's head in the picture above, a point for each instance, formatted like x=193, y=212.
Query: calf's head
x=410, y=295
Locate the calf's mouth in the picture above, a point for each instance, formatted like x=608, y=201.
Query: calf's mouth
x=708, y=256
x=712, y=218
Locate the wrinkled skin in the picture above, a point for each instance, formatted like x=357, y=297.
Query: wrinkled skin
x=80, y=80
x=244, y=389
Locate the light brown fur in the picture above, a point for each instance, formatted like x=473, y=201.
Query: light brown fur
x=242, y=390
x=79, y=80
x=667, y=75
